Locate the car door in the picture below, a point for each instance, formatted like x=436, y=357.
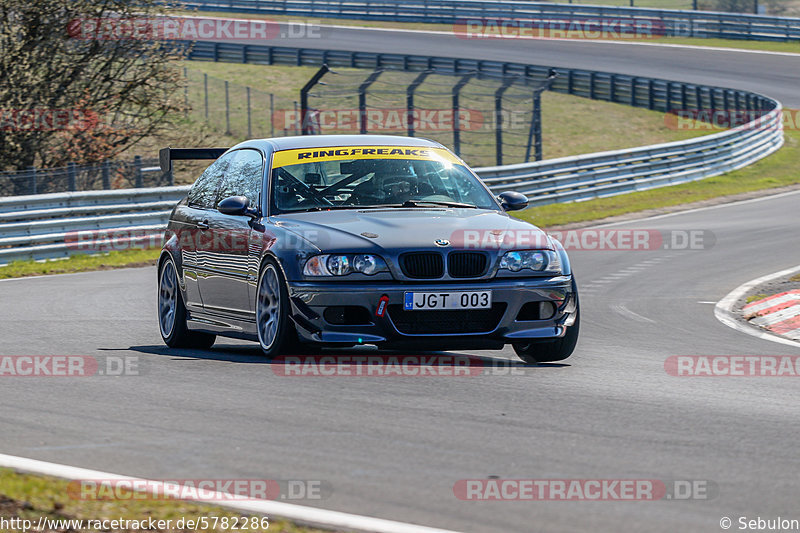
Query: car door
x=192, y=226
x=231, y=265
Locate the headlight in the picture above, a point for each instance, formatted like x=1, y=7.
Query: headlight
x=536, y=260
x=343, y=264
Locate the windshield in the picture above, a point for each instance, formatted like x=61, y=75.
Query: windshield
x=368, y=177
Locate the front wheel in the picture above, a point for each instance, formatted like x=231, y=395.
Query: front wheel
x=557, y=350
x=276, y=333
x=172, y=313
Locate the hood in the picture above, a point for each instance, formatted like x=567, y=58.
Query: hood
x=398, y=229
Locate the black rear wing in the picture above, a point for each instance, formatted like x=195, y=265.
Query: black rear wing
x=167, y=155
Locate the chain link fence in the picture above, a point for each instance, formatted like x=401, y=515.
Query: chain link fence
x=486, y=120
x=237, y=110
x=107, y=175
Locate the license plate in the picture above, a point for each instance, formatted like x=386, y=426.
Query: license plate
x=426, y=301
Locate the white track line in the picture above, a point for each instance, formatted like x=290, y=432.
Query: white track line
x=696, y=209
x=724, y=308
x=310, y=515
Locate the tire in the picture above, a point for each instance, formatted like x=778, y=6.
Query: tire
x=557, y=350
x=276, y=333
x=172, y=313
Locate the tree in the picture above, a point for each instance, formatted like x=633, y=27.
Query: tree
x=77, y=86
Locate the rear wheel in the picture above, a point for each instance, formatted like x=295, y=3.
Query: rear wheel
x=172, y=313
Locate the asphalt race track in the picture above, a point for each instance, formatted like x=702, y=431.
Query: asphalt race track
x=395, y=447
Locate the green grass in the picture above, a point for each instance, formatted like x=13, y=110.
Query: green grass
x=29, y=497
x=796, y=277
x=80, y=263
x=571, y=125
x=755, y=297
x=777, y=170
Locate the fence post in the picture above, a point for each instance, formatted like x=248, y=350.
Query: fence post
x=227, y=111
x=498, y=115
x=32, y=182
x=362, y=98
x=457, y=112
x=137, y=170
x=271, y=115
x=105, y=172
x=185, y=93
x=410, y=100
x=305, y=123
x=71, y=176
x=205, y=92
x=249, y=120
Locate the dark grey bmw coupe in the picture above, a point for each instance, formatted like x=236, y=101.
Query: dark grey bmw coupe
x=340, y=240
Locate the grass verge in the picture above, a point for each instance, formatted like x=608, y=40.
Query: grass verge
x=30, y=497
x=80, y=263
x=779, y=169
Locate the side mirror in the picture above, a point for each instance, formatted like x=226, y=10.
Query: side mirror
x=513, y=200
x=236, y=206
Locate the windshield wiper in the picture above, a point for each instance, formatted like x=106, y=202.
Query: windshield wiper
x=422, y=203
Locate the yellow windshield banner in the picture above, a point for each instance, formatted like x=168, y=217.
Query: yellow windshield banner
x=346, y=153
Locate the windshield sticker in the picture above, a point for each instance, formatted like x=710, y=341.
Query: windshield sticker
x=334, y=153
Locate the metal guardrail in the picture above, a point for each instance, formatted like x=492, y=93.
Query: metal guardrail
x=604, y=174
x=673, y=23
x=57, y=225
x=47, y=226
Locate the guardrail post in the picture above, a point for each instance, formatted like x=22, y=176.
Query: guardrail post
x=410, y=100
x=651, y=96
x=362, y=99
x=457, y=112
x=71, y=176
x=32, y=182
x=137, y=171
x=105, y=173
x=633, y=91
x=612, y=88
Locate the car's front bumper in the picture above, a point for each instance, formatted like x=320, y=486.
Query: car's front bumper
x=311, y=299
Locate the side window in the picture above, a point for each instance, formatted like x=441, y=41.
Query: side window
x=243, y=177
x=204, y=190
